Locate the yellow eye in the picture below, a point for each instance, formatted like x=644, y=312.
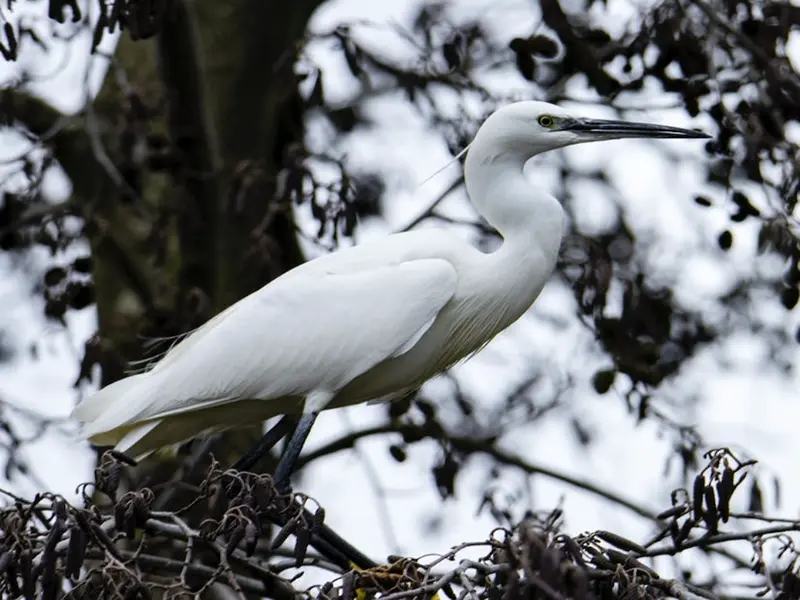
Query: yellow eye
x=546, y=121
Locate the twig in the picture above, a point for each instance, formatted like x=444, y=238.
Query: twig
x=710, y=540
x=184, y=470
x=159, y=564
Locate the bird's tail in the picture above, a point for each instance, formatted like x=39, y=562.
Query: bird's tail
x=113, y=416
x=108, y=418
x=111, y=407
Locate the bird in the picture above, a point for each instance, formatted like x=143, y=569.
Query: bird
x=371, y=322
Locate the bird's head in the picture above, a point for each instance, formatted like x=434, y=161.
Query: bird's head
x=529, y=127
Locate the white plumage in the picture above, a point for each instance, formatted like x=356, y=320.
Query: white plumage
x=369, y=322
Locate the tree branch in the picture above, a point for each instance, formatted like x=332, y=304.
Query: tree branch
x=470, y=446
x=710, y=540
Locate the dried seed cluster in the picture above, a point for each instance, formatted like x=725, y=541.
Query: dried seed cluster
x=709, y=501
x=530, y=561
x=242, y=501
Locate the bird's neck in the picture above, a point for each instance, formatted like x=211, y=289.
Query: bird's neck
x=530, y=221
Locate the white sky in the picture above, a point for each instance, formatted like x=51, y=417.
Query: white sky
x=744, y=405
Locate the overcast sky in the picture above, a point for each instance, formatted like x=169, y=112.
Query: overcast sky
x=751, y=410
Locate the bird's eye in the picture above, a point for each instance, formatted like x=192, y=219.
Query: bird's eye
x=546, y=121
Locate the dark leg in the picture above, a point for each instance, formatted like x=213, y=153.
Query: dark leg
x=272, y=437
x=288, y=461
x=325, y=540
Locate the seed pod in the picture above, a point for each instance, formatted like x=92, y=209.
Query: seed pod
x=710, y=515
x=141, y=511
x=675, y=511
x=106, y=479
x=756, y=502
x=284, y=533
x=120, y=456
x=60, y=508
x=302, y=541
x=11, y=581
x=512, y=587
x=105, y=541
x=620, y=542
x=684, y=532
x=250, y=538
x=319, y=519
x=48, y=582
x=263, y=493
x=5, y=561
x=616, y=556
x=235, y=537
x=725, y=491
x=572, y=549
x=697, y=496
x=674, y=532
x=28, y=580
x=76, y=552
x=603, y=562
x=47, y=565
x=129, y=522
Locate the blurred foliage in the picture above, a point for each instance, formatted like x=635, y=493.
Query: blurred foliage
x=184, y=212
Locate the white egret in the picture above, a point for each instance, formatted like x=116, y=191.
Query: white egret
x=371, y=322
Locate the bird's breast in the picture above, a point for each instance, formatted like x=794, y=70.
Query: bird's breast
x=482, y=308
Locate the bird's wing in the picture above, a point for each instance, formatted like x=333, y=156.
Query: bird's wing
x=314, y=332
x=367, y=256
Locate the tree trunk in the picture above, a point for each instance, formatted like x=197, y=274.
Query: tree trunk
x=218, y=83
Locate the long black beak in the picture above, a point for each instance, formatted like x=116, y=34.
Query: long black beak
x=626, y=129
